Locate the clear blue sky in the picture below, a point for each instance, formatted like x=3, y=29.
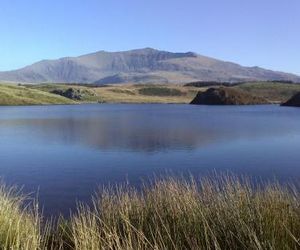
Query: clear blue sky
x=264, y=33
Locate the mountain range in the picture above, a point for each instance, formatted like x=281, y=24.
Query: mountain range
x=140, y=66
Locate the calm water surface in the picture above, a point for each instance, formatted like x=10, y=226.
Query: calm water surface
x=66, y=152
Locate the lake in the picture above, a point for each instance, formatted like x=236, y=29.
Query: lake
x=64, y=153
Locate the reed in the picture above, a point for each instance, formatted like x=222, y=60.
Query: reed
x=214, y=213
x=220, y=212
x=19, y=223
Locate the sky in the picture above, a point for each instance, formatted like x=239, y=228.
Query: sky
x=263, y=33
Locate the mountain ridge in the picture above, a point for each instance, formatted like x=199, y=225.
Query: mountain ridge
x=145, y=65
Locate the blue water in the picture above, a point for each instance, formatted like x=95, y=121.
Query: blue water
x=66, y=152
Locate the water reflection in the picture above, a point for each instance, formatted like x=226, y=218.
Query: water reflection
x=136, y=131
x=118, y=134
x=67, y=151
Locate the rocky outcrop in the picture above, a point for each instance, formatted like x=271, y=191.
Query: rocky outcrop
x=226, y=96
x=293, y=102
x=71, y=93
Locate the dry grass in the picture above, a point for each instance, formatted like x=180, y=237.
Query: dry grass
x=137, y=93
x=130, y=93
x=20, y=95
x=133, y=93
x=19, y=225
x=274, y=92
x=223, y=212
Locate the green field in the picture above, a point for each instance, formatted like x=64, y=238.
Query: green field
x=132, y=93
x=20, y=95
x=129, y=93
x=274, y=92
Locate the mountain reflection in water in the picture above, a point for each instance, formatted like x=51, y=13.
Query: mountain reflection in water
x=66, y=152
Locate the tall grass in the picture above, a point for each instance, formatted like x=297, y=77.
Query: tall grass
x=223, y=212
x=19, y=225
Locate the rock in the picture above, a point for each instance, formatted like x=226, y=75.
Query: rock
x=226, y=96
x=71, y=93
x=293, y=102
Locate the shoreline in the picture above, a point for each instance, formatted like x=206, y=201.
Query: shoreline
x=137, y=103
x=44, y=94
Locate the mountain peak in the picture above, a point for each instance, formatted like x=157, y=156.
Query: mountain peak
x=144, y=65
x=149, y=49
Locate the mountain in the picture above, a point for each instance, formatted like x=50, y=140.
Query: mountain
x=140, y=66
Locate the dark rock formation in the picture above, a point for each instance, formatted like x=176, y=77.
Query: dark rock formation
x=71, y=93
x=293, y=102
x=226, y=96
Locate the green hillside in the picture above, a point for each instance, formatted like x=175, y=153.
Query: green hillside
x=19, y=95
x=273, y=91
x=40, y=94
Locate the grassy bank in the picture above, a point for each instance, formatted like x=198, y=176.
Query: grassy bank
x=19, y=226
x=214, y=213
x=20, y=95
x=274, y=92
x=131, y=93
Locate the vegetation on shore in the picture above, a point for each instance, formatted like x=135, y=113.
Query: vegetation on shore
x=273, y=92
x=22, y=95
x=223, y=212
x=20, y=225
x=227, y=96
x=129, y=93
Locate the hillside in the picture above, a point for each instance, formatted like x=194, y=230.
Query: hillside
x=18, y=95
x=274, y=92
x=140, y=66
x=226, y=96
x=128, y=93
x=132, y=93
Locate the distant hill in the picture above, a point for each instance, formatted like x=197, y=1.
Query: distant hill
x=141, y=66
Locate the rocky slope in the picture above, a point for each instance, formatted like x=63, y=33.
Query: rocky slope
x=140, y=66
x=226, y=96
x=293, y=102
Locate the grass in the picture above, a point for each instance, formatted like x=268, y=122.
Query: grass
x=128, y=93
x=172, y=214
x=20, y=95
x=133, y=93
x=19, y=226
x=274, y=92
x=160, y=91
x=88, y=94
x=223, y=212
x=150, y=93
